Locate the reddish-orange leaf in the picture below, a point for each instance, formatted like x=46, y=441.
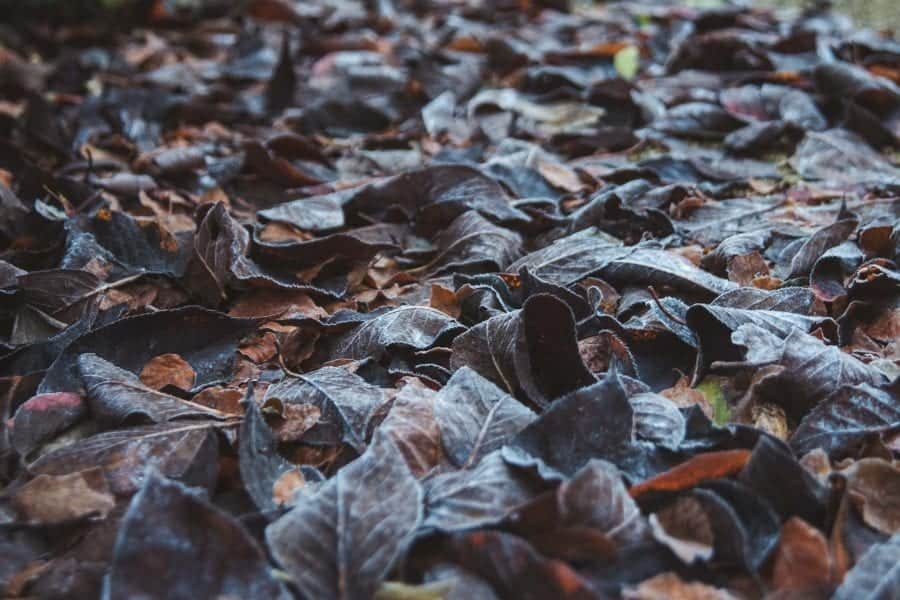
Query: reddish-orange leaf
x=702, y=467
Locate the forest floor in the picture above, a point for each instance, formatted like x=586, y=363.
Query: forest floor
x=416, y=299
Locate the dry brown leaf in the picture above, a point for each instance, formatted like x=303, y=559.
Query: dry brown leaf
x=874, y=488
x=60, y=498
x=668, y=586
x=802, y=561
x=445, y=300
x=260, y=348
x=684, y=396
x=168, y=369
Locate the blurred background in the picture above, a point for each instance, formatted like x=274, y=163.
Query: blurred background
x=877, y=14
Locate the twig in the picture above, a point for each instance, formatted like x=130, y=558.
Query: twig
x=663, y=309
x=283, y=366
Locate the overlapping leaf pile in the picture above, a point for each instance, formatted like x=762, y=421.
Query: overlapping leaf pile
x=446, y=299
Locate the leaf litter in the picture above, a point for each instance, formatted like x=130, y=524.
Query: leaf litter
x=448, y=300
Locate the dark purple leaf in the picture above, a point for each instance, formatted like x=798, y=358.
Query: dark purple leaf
x=435, y=196
x=807, y=370
x=815, y=245
x=347, y=404
x=593, y=422
x=697, y=120
x=714, y=326
x=846, y=418
x=522, y=352
x=776, y=476
x=169, y=539
x=342, y=541
x=650, y=266
x=477, y=497
x=837, y=156
x=185, y=450
x=571, y=258
x=476, y=417
x=471, y=243
x=408, y=327
x=116, y=396
x=261, y=465
x=205, y=339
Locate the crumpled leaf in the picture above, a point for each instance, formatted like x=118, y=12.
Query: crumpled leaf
x=839, y=156
x=477, y=497
x=476, y=417
x=571, y=258
x=592, y=422
x=774, y=102
x=219, y=260
x=776, y=476
x=522, y=352
x=261, y=465
x=649, y=266
x=347, y=404
x=685, y=528
x=849, y=415
x=873, y=486
x=412, y=327
x=714, y=326
x=435, y=196
x=319, y=213
x=596, y=497
x=796, y=300
x=42, y=417
x=657, y=420
x=354, y=246
x=808, y=370
x=554, y=118
x=822, y=240
x=697, y=120
x=116, y=396
x=472, y=243
x=746, y=528
x=56, y=290
x=168, y=532
x=179, y=450
x=802, y=561
x=830, y=270
x=204, y=338
x=412, y=425
x=131, y=245
x=342, y=541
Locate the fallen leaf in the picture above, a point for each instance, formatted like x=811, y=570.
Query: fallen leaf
x=707, y=466
x=57, y=499
x=802, y=560
x=167, y=532
x=168, y=369
x=327, y=553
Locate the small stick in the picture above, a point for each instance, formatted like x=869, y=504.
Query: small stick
x=663, y=309
x=283, y=366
